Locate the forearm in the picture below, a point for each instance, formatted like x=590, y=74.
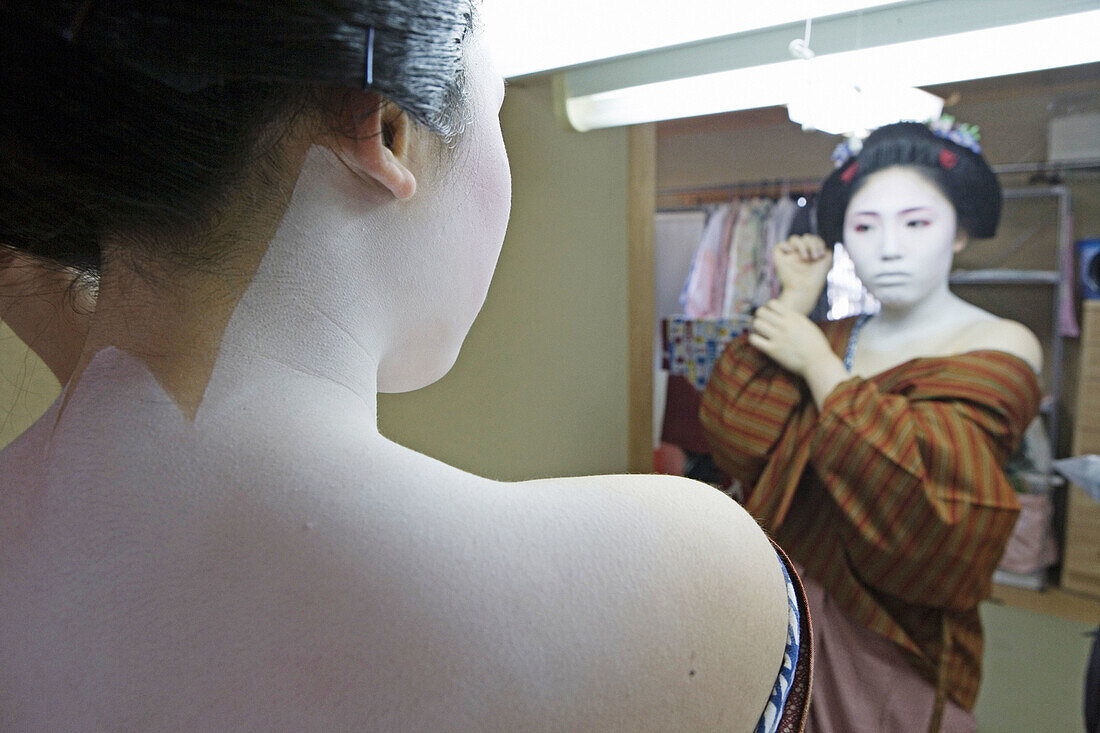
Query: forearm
x=823, y=375
x=802, y=264
x=800, y=300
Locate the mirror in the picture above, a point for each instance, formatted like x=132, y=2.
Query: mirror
x=1037, y=641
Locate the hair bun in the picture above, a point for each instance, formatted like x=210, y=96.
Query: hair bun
x=958, y=169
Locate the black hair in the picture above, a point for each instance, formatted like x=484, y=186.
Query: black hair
x=962, y=175
x=131, y=115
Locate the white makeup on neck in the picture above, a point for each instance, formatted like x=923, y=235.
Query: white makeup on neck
x=371, y=292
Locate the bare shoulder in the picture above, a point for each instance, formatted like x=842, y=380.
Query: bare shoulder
x=698, y=592
x=403, y=594
x=647, y=602
x=1005, y=335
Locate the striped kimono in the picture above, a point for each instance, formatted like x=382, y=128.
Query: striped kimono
x=893, y=498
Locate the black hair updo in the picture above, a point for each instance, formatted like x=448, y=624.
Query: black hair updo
x=125, y=117
x=961, y=174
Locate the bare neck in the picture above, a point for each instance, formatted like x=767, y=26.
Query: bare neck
x=173, y=323
x=928, y=328
x=172, y=313
x=913, y=321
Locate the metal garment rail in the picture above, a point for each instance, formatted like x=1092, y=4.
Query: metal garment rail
x=688, y=198
x=692, y=198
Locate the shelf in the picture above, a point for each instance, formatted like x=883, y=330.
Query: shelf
x=1028, y=581
x=1039, y=483
x=1006, y=277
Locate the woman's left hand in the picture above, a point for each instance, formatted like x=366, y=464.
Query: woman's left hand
x=791, y=339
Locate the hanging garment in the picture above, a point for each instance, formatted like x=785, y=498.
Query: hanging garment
x=777, y=227
x=689, y=350
x=746, y=258
x=704, y=287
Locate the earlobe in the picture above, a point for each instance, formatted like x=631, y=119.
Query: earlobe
x=379, y=144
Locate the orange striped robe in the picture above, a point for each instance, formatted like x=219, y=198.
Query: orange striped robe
x=894, y=497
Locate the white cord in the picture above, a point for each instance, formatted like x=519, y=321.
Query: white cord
x=800, y=47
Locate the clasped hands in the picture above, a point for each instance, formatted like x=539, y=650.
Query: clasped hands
x=781, y=328
x=788, y=337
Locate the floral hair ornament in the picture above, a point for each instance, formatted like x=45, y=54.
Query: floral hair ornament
x=959, y=133
x=846, y=149
x=945, y=128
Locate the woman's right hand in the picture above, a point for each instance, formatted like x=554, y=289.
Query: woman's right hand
x=801, y=264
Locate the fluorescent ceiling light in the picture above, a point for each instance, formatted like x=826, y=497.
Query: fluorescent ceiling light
x=1045, y=42
x=533, y=36
x=843, y=108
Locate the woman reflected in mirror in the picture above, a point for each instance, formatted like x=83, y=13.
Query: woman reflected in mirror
x=875, y=446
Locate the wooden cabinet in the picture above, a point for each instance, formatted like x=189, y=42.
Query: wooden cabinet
x=1081, y=564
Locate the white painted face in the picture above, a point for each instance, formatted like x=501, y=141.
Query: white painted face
x=902, y=234
x=463, y=214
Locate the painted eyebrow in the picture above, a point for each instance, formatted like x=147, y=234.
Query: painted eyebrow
x=903, y=212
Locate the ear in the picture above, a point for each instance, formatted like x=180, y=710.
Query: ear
x=378, y=141
x=961, y=240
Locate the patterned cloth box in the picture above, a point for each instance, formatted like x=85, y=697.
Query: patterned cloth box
x=690, y=347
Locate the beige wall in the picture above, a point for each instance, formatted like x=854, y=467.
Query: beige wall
x=540, y=386
x=27, y=387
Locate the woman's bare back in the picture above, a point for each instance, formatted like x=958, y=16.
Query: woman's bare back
x=214, y=578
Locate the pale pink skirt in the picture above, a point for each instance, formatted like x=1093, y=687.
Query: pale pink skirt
x=863, y=683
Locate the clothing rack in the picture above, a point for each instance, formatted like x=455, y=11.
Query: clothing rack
x=693, y=198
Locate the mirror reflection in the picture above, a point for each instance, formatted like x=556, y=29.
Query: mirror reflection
x=734, y=199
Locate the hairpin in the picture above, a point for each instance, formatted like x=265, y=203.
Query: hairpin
x=845, y=150
x=369, y=61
